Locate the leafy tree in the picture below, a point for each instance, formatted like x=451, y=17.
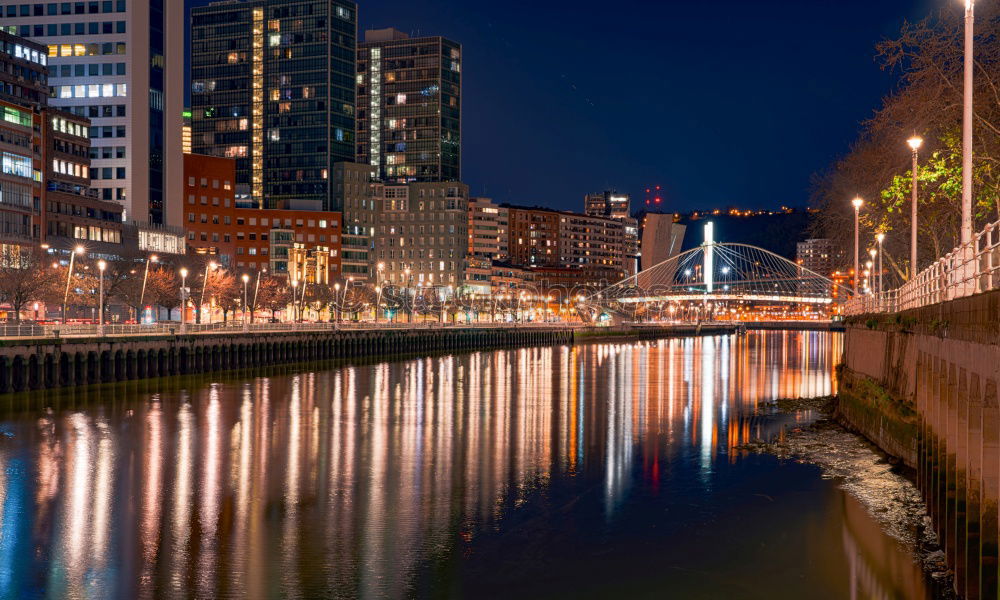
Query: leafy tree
x=928, y=55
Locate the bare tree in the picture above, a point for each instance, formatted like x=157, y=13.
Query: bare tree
x=928, y=55
x=24, y=278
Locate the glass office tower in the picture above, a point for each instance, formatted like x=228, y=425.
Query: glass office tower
x=272, y=86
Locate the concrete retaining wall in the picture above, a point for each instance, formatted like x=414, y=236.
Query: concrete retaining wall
x=45, y=363
x=923, y=386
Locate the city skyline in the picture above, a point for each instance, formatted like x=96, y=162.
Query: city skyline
x=810, y=101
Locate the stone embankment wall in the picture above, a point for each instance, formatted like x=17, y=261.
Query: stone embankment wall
x=922, y=385
x=44, y=363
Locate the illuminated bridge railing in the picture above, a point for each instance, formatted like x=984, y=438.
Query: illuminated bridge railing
x=969, y=269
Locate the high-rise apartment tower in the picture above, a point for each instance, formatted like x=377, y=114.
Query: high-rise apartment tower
x=409, y=107
x=272, y=86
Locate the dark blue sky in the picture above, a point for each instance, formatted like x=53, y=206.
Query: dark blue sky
x=722, y=102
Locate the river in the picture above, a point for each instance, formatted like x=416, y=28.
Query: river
x=595, y=471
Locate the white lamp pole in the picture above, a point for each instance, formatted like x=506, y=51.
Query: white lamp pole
x=256, y=289
x=204, y=286
x=246, y=324
x=857, y=202
x=69, y=274
x=880, y=238
x=336, y=300
x=184, y=274
x=101, y=265
x=967, y=124
x=871, y=268
x=142, y=294
x=914, y=143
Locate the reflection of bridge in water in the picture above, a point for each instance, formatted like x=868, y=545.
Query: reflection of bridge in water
x=710, y=279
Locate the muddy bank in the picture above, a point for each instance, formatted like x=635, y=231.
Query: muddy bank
x=863, y=471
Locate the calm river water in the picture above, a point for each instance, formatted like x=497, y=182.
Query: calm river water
x=597, y=471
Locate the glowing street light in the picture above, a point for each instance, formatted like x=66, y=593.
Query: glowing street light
x=209, y=267
x=69, y=273
x=246, y=323
x=914, y=143
x=101, y=265
x=256, y=289
x=857, y=202
x=152, y=259
x=336, y=293
x=184, y=274
x=880, y=237
x=970, y=6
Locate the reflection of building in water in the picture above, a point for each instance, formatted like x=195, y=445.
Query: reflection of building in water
x=366, y=472
x=879, y=568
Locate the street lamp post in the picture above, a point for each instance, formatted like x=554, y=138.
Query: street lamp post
x=204, y=286
x=336, y=298
x=295, y=287
x=142, y=294
x=868, y=276
x=406, y=292
x=256, y=289
x=880, y=237
x=914, y=143
x=246, y=324
x=101, y=265
x=184, y=274
x=69, y=273
x=343, y=300
x=967, y=124
x=378, y=286
x=857, y=202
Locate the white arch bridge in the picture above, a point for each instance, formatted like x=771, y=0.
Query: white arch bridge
x=717, y=276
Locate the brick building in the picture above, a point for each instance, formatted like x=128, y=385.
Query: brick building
x=74, y=213
x=290, y=242
x=598, y=248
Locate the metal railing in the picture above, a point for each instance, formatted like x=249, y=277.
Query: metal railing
x=969, y=269
x=170, y=328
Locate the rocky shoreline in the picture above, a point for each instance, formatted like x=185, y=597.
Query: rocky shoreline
x=863, y=471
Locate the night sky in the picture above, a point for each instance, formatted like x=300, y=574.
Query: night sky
x=722, y=102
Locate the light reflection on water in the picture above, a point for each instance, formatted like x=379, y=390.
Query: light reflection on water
x=537, y=471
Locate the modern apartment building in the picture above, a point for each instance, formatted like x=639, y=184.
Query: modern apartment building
x=421, y=236
x=298, y=244
x=120, y=64
x=600, y=242
x=488, y=225
x=409, y=124
x=608, y=203
x=597, y=247
x=354, y=198
x=272, y=87
x=23, y=91
x=532, y=236
x=821, y=255
x=618, y=206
